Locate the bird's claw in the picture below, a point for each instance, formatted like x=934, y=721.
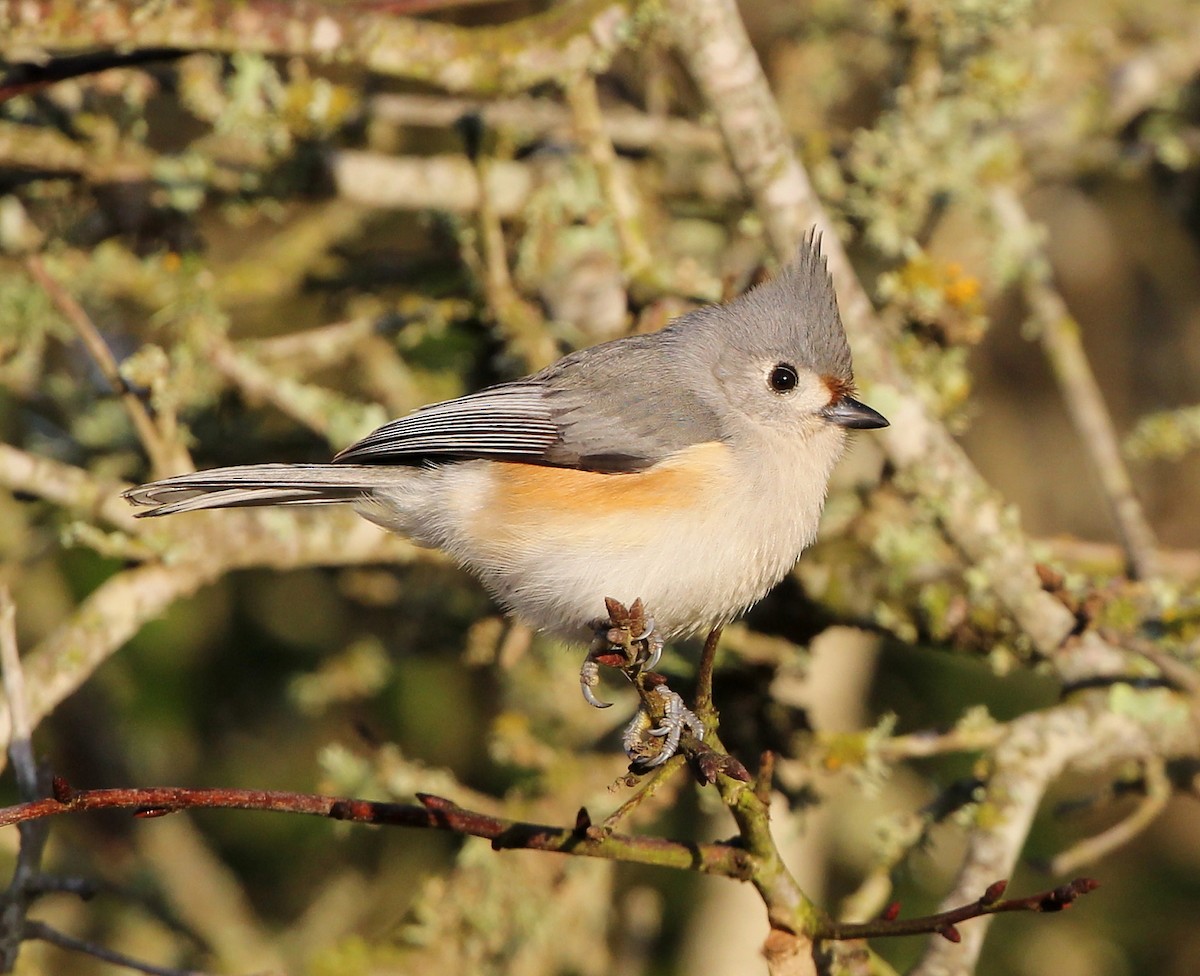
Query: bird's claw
x=589, y=677
x=654, y=645
x=676, y=718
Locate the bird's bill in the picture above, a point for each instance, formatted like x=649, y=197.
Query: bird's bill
x=849, y=413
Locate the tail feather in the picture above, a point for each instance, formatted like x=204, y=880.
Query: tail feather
x=261, y=484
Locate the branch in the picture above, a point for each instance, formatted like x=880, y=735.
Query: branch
x=1158, y=793
x=14, y=903
x=565, y=40
x=27, y=78
x=625, y=126
x=432, y=813
x=1083, y=736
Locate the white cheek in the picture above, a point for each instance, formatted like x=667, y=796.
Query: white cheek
x=810, y=397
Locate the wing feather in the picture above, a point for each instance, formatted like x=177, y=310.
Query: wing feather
x=509, y=421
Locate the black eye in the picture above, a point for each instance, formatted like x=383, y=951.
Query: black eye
x=783, y=378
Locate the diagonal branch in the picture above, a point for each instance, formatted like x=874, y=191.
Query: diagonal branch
x=166, y=458
x=723, y=64
x=1063, y=346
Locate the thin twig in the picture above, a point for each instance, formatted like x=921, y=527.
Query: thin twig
x=945, y=923
x=20, y=748
x=521, y=324
x=15, y=901
x=917, y=745
x=625, y=126
x=1058, y=333
x=1158, y=792
x=166, y=458
x=653, y=783
x=25, y=78
x=39, y=930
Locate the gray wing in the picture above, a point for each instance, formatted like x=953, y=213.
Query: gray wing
x=614, y=407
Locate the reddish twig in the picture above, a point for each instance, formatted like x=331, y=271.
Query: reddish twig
x=431, y=813
x=946, y=923
x=704, y=673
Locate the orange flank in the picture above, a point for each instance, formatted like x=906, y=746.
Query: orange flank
x=529, y=494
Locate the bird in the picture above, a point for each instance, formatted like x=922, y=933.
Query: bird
x=687, y=467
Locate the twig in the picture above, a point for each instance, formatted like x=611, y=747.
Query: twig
x=704, y=675
x=653, y=783
x=15, y=901
x=589, y=127
x=70, y=487
x=20, y=748
x=447, y=182
x=339, y=419
x=946, y=923
x=167, y=459
x=1158, y=792
x=39, y=930
x=918, y=745
x=625, y=126
x=432, y=813
x=518, y=320
x=1105, y=558
x=1058, y=333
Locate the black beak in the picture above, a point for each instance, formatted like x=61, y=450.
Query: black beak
x=849, y=413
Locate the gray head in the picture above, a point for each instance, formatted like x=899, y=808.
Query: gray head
x=779, y=352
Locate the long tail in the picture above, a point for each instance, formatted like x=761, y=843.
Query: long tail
x=262, y=484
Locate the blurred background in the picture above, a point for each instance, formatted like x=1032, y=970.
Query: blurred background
x=284, y=253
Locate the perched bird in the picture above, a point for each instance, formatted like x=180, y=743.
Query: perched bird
x=687, y=468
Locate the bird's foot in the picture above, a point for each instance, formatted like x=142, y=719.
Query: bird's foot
x=653, y=734
x=629, y=642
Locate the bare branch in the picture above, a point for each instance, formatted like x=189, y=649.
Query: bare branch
x=432, y=813
x=946, y=923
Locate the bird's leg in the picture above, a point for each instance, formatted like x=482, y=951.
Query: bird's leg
x=629, y=641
